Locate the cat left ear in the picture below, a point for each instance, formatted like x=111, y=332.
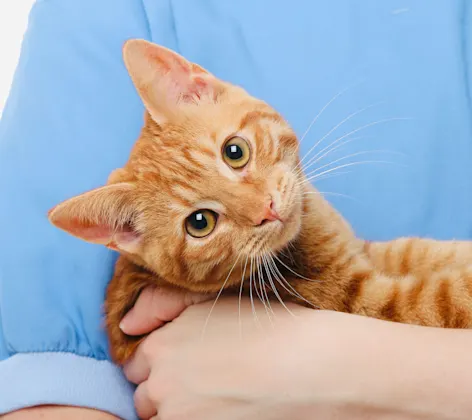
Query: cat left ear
x=164, y=79
x=102, y=216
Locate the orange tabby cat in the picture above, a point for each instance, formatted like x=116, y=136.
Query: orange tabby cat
x=212, y=198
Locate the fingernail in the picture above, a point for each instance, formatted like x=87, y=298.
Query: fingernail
x=123, y=324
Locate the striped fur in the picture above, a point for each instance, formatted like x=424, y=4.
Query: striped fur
x=408, y=280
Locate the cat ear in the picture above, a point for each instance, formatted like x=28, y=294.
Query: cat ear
x=164, y=79
x=102, y=216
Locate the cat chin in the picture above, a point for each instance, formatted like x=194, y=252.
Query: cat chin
x=288, y=232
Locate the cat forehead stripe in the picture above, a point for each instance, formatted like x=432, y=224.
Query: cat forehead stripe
x=253, y=117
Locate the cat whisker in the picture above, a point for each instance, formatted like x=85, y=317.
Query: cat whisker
x=314, y=177
x=289, y=269
x=324, y=108
x=283, y=282
x=255, y=246
x=251, y=297
x=264, y=284
x=268, y=306
x=331, y=148
x=346, y=157
x=273, y=287
x=357, y=130
x=323, y=193
x=218, y=296
x=249, y=248
x=290, y=249
x=334, y=129
x=240, y=297
x=260, y=293
x=255, y=284
x=330, y=176
x=290, y=256
x=291, y=245
x=283, y=253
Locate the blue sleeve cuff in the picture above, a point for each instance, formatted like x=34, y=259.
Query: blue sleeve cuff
x=32, y=379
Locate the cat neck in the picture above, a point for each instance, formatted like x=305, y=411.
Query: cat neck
x=326, y=241
x=319, y=266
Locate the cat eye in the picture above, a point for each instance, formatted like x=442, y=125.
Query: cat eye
x=236, y=152
x=201, y=223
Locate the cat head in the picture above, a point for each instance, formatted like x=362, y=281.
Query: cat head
x=211, y=183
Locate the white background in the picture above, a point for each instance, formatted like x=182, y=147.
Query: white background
x=13, y=21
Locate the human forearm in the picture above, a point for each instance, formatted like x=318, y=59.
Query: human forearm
x=388, y=370
x=58, y=413
x=425, y=371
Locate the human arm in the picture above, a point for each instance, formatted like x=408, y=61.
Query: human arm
x=327, y=364
x=58, y=413
x=62, y=131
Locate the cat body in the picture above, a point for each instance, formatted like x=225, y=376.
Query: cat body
x=213, y=198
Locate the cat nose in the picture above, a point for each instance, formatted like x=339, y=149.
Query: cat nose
x=269, y=214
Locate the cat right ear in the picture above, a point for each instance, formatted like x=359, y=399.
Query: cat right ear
x=103, y=216
x=165, y=80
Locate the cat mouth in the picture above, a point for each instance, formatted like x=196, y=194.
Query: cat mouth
x=278, y=232
x=272, y=236
x=267, y=222
x=285, y=232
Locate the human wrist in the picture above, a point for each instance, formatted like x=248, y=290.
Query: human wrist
x=317, y=377
x=305, y=366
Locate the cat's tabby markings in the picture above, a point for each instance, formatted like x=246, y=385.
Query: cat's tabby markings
x=212, y=196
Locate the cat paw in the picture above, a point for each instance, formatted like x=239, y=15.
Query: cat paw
x=122, y=346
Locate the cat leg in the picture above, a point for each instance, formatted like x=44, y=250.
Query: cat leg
x=127, y=283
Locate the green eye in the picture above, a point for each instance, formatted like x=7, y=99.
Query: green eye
x=236, y=152
x=201, y=223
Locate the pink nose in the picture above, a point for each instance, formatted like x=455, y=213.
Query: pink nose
x=269, y=214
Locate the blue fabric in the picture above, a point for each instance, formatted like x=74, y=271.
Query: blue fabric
x=73, y=115
x=68, y=379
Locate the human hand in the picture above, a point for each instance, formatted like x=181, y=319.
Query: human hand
x=230, y=366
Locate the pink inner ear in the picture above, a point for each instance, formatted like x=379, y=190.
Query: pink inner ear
x=127, y=241
x=195, y=89
x=100, y=234
x=187, y=81
x=185, y=86
x=164, y=79
x=121, y=239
